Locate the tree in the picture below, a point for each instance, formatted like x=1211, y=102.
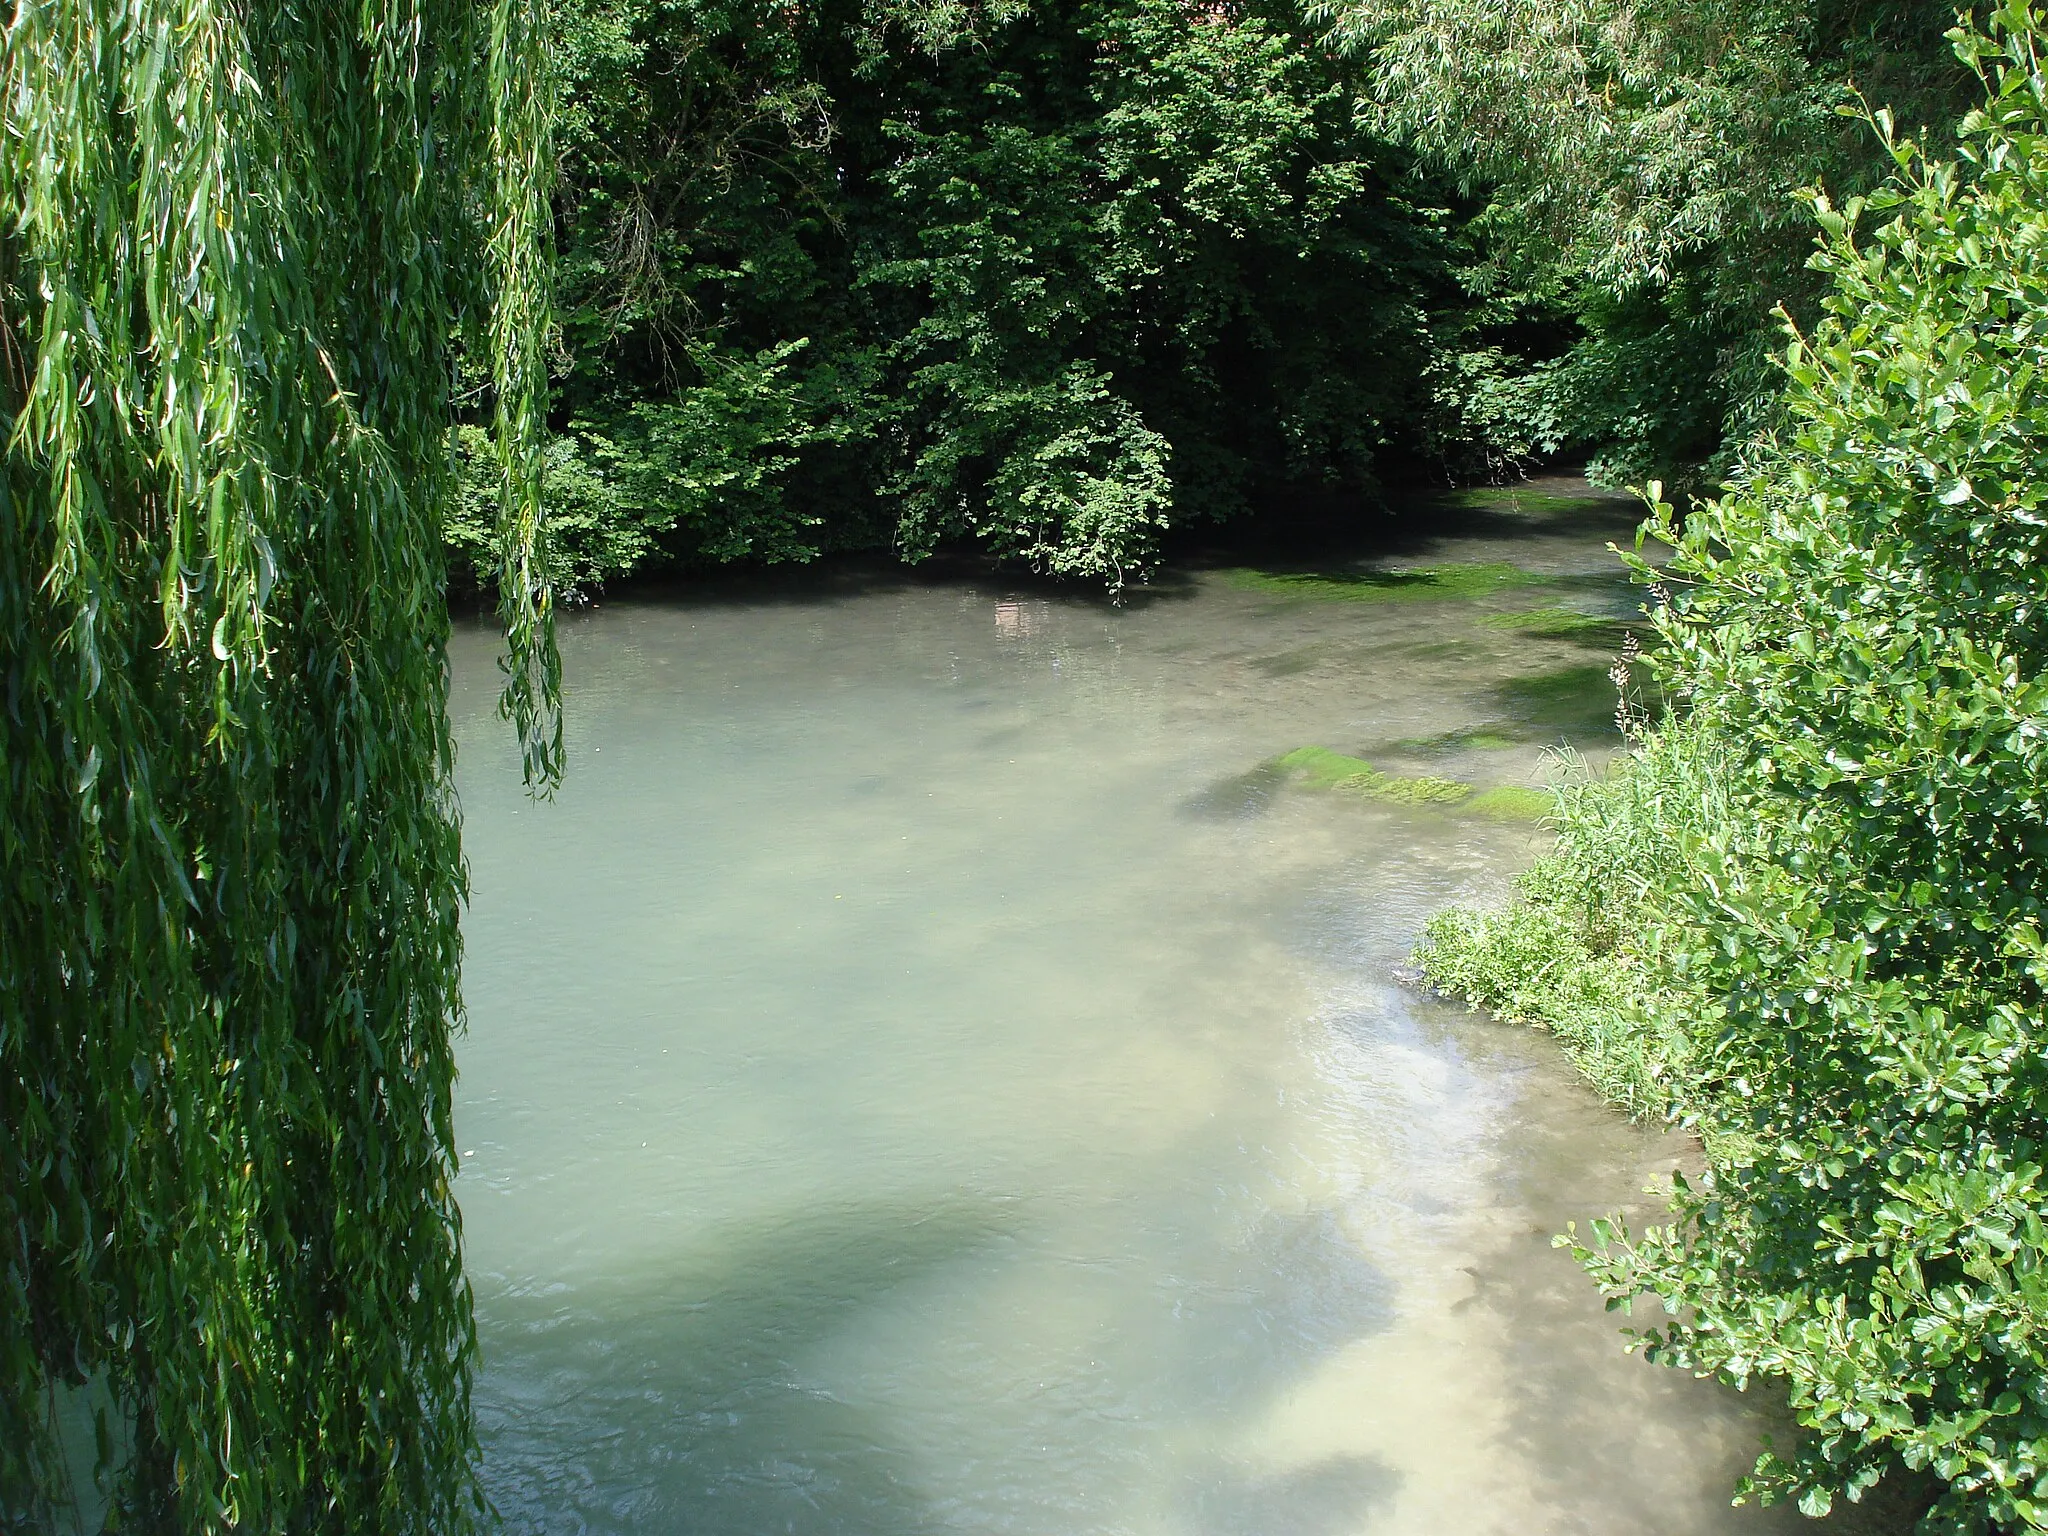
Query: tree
x=242, y=248
x=1035, y=277
x=1638, y=162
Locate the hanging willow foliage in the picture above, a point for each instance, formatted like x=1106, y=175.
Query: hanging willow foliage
x=241, y=248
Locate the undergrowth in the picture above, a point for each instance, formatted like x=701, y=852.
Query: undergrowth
x=1579, y=950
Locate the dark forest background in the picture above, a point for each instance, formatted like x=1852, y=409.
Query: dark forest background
x=1057, y=279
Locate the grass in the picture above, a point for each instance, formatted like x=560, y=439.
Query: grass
x=1578, y=949
x=1438, y=582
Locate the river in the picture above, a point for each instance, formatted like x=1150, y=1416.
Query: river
x=924, y=1075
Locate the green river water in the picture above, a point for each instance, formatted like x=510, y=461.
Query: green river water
x=923, y=1077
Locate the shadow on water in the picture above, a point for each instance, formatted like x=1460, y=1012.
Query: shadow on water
x=716, y=1397
x=1573, y=704
x=1331, y=1498
x=1239, y=797
x=1570, y=706
x=1306, y=527
x=1324, y=538
x=851, y=577
x=1561, y=1145
x=678, y=1402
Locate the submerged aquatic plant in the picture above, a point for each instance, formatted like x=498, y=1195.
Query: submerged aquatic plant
x=1374, y=586
x=1320, y=768
x=1517, y=499
x=1512, y=802
x=1557, y=623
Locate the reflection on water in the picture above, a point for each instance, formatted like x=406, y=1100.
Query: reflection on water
x=925, y=1076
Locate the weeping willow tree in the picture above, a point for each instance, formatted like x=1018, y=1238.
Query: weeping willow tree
x=245, y=247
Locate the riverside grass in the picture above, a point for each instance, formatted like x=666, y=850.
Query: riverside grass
x=1807, y=916
x=1578, y=951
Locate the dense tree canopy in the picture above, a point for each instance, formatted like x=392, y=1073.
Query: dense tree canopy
x=1048, y=278
x=834, y=277
x=1639, y=166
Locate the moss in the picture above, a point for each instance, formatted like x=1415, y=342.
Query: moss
x=1324, y=769
x=1419, y=791
x=1321, y=768
x=1419, y=583
x=1483, y=738
x=1512, y=802
x=1516, y=499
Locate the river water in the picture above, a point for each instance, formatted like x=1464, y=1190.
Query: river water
x=923, y=1076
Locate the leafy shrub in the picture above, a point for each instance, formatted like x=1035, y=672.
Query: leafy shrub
x=1847, y=933
x=1865, y=630
x=700, y=469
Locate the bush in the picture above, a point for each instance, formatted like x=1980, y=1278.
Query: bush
x=1847, y=939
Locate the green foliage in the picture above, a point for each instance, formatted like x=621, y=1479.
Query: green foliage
x=1051, y=276
x=1636, y=164
x=1060, y=273
x=1862, y=626
x=700, y=469
x=1580, y=951
x=240, y=245
x=1837, y=930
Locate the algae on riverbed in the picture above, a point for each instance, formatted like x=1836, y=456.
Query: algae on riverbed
x=1511, y=802
x=1516, y=499
x=1369, y=586
x=1323, y=769
x=1477, y=738
x=1320, y=768
x=1558, y=623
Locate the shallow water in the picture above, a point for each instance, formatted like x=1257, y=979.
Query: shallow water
x=922, y=1077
